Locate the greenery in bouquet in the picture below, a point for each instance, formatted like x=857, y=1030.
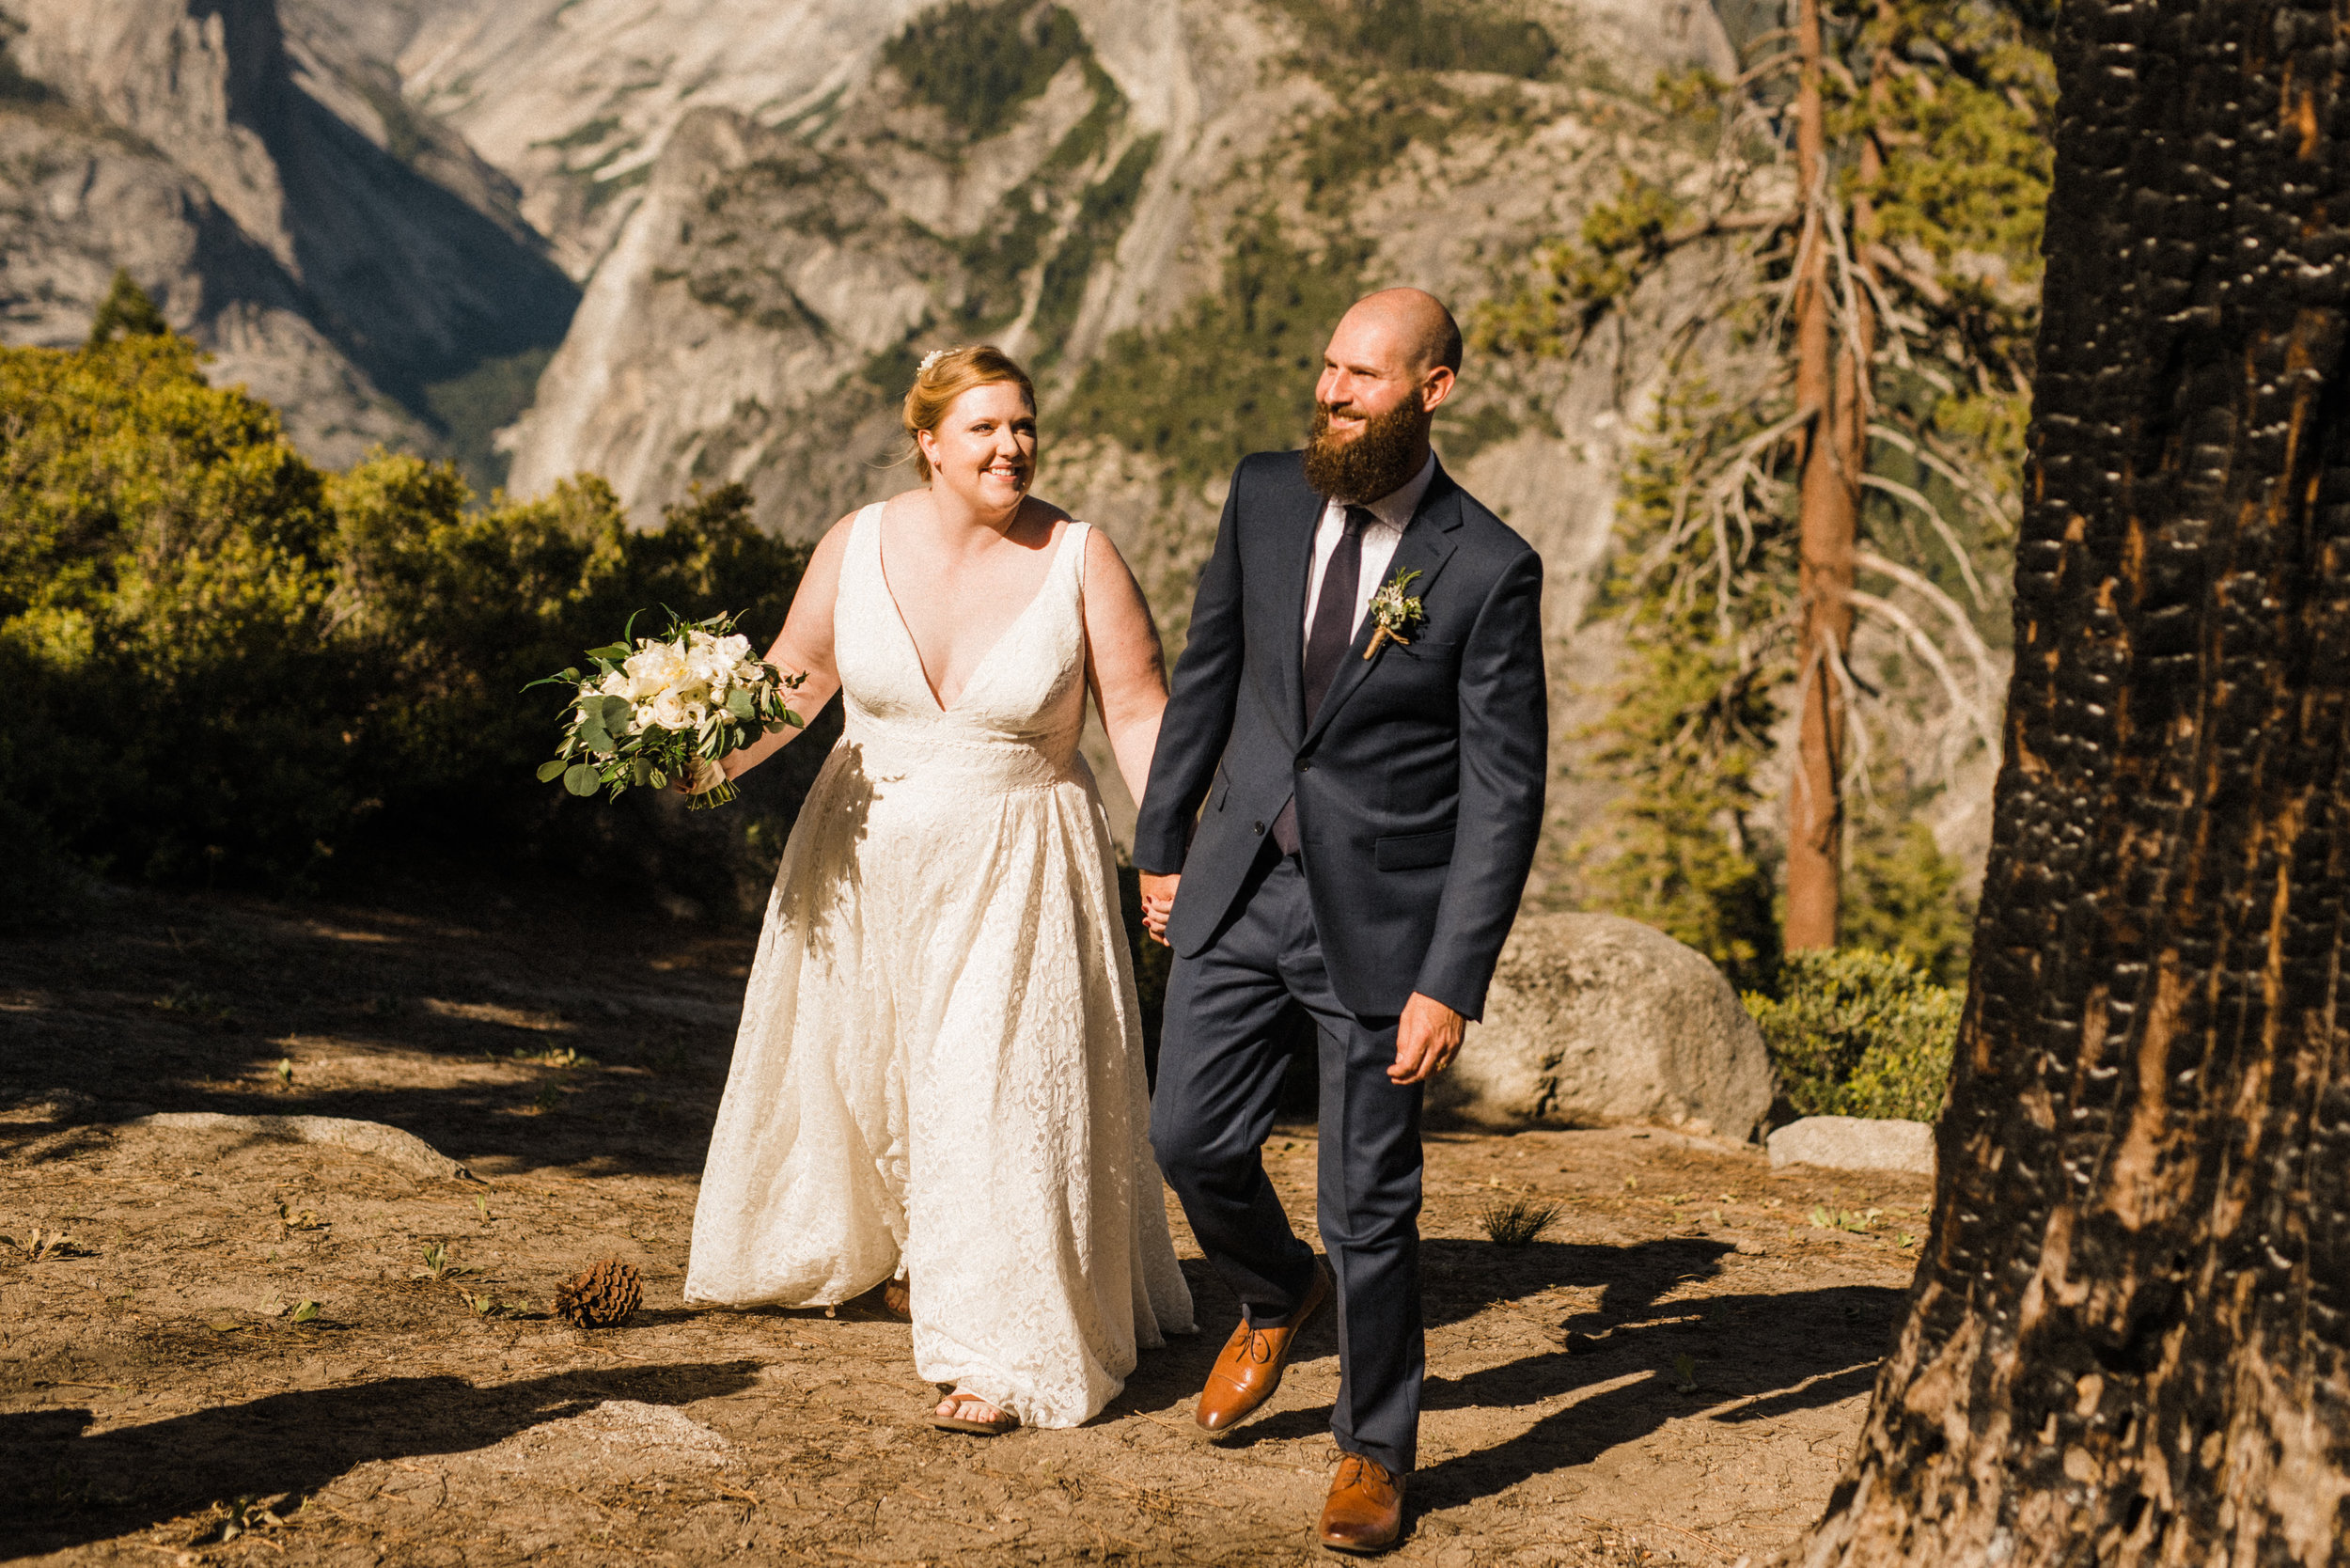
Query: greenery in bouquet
x=662, y=707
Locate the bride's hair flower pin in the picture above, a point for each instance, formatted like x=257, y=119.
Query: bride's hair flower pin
x=928, y=360
x=1394, y=613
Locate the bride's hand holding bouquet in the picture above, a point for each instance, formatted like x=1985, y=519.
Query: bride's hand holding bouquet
x=668, y=711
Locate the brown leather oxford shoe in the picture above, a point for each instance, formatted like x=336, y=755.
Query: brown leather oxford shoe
x=1365, y=1513
x=1251, y=1364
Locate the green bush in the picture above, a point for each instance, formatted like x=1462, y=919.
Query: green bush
x=228, y=667
x=1858, y=1033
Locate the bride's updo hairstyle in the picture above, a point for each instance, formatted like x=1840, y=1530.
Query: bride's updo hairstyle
x=948, y=375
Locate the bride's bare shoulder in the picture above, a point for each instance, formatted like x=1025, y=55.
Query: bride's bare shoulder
x=824, y=562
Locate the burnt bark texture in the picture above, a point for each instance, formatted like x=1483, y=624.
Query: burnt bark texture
x=2127, y=1336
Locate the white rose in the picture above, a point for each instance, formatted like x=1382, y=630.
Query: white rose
x=614, y=684
x=734, y=649
x=672, y=711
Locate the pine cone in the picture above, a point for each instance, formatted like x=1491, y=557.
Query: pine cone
x=602, y=1297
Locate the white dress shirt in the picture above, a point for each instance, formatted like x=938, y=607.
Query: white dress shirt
x=1391, y=514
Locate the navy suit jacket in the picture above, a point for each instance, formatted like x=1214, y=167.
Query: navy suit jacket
x=1419, y=783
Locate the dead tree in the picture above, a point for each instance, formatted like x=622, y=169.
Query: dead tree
x=1831, y=380
x=2127, y=1339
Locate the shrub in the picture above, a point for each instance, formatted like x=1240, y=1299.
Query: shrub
x=226, y=665
x=1858, y=1033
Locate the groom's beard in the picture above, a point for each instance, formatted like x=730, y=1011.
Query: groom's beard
x=1376, y=462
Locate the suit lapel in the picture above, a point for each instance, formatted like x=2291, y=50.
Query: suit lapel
x=1426, y=545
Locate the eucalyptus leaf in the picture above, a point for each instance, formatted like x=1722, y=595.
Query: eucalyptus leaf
x=551, y=769
x=618, y=713
x=581, y=779
x=739, y=704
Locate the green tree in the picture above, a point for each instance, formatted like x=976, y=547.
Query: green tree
x=126, y=312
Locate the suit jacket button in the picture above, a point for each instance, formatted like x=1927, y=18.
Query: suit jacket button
x=1304, y=766
x=1259, y=829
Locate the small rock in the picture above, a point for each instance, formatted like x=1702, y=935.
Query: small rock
x=1855, y=1143
x=1595, y=1020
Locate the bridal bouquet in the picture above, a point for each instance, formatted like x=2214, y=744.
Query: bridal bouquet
x=666, y=707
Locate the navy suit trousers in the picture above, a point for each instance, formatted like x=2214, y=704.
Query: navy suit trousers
x=1221, y=1060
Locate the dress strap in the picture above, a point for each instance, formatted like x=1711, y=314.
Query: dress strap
x=1074, y=543
x=863, y=557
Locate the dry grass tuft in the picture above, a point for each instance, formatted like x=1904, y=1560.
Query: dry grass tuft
x=1518, y=1222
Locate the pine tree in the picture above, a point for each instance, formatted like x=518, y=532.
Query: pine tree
x=126, y=312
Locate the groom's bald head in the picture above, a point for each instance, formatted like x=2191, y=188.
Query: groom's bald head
x=1413, y=321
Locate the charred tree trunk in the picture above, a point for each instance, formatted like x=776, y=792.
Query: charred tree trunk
x=1827, y=385
x=2127, y=1341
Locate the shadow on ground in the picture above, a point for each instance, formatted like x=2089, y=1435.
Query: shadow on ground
x=1770, y=1354
x=67, y=1490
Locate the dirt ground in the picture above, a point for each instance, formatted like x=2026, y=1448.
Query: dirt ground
x=1673, y=1372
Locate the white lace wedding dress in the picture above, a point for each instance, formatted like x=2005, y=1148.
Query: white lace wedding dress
x=939, y=1071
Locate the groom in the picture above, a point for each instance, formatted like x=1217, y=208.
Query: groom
x=1340, y=815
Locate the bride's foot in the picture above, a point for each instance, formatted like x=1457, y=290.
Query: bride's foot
x=962, y=1412
x=897, y=1300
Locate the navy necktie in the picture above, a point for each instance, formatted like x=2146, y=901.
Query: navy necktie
x=1333, y=634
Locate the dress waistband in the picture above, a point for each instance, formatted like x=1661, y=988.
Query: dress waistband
x=934, y=756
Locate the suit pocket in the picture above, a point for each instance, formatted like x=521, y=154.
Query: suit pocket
x=1413, y=852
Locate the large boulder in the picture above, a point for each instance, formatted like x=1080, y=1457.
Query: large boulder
x=1595, y=1020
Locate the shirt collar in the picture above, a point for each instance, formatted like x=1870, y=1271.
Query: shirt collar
x=1398, y=506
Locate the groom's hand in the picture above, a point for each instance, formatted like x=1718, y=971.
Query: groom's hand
x=1158, y=898
x=1427, y=1038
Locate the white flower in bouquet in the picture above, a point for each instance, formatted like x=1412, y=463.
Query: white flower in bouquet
x=666, y=707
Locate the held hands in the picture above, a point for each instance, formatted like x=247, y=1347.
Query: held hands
x=1427, y=1038
x=1158, y=898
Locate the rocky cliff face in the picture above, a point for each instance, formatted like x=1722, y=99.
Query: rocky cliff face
x=765, y=299
x=342, y=255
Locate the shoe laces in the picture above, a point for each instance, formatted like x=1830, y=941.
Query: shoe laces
x=1368, y=1474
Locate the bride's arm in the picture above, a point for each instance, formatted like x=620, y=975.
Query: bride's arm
x=804, y=645
x=1128, y=669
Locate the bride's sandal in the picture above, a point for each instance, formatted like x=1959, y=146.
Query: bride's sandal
x=948, y=1416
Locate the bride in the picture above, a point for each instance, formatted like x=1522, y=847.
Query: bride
x=939, y=1075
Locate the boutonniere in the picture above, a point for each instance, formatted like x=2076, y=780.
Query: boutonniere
x=1394, y=613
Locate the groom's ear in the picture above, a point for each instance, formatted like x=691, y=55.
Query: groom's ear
x=1435, y=387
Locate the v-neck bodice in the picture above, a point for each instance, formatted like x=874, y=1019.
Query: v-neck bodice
x=1017, y=719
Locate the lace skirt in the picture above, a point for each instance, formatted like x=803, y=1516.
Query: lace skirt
x=939, y=1073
